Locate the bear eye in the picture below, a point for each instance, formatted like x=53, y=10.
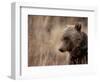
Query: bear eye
x=66, y=38
x=78, y=39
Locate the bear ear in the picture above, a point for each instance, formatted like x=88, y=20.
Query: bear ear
x=78, y=27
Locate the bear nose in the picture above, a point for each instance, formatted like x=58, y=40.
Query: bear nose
x=61, y=50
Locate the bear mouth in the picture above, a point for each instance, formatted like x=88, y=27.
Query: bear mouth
x=69, y=49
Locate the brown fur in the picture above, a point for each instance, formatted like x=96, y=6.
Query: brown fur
x=75, y=42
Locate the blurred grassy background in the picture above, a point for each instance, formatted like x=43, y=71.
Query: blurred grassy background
x=44, y=33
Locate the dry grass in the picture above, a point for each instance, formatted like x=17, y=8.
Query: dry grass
x=44, y=36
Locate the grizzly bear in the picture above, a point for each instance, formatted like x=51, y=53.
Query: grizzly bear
x=75, y=42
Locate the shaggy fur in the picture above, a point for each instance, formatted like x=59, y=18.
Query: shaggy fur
x=75, y=42
x=79, y=54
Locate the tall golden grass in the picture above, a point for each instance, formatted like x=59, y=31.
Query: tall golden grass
x=44, y=38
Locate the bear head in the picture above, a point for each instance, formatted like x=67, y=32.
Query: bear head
x=71, y=38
